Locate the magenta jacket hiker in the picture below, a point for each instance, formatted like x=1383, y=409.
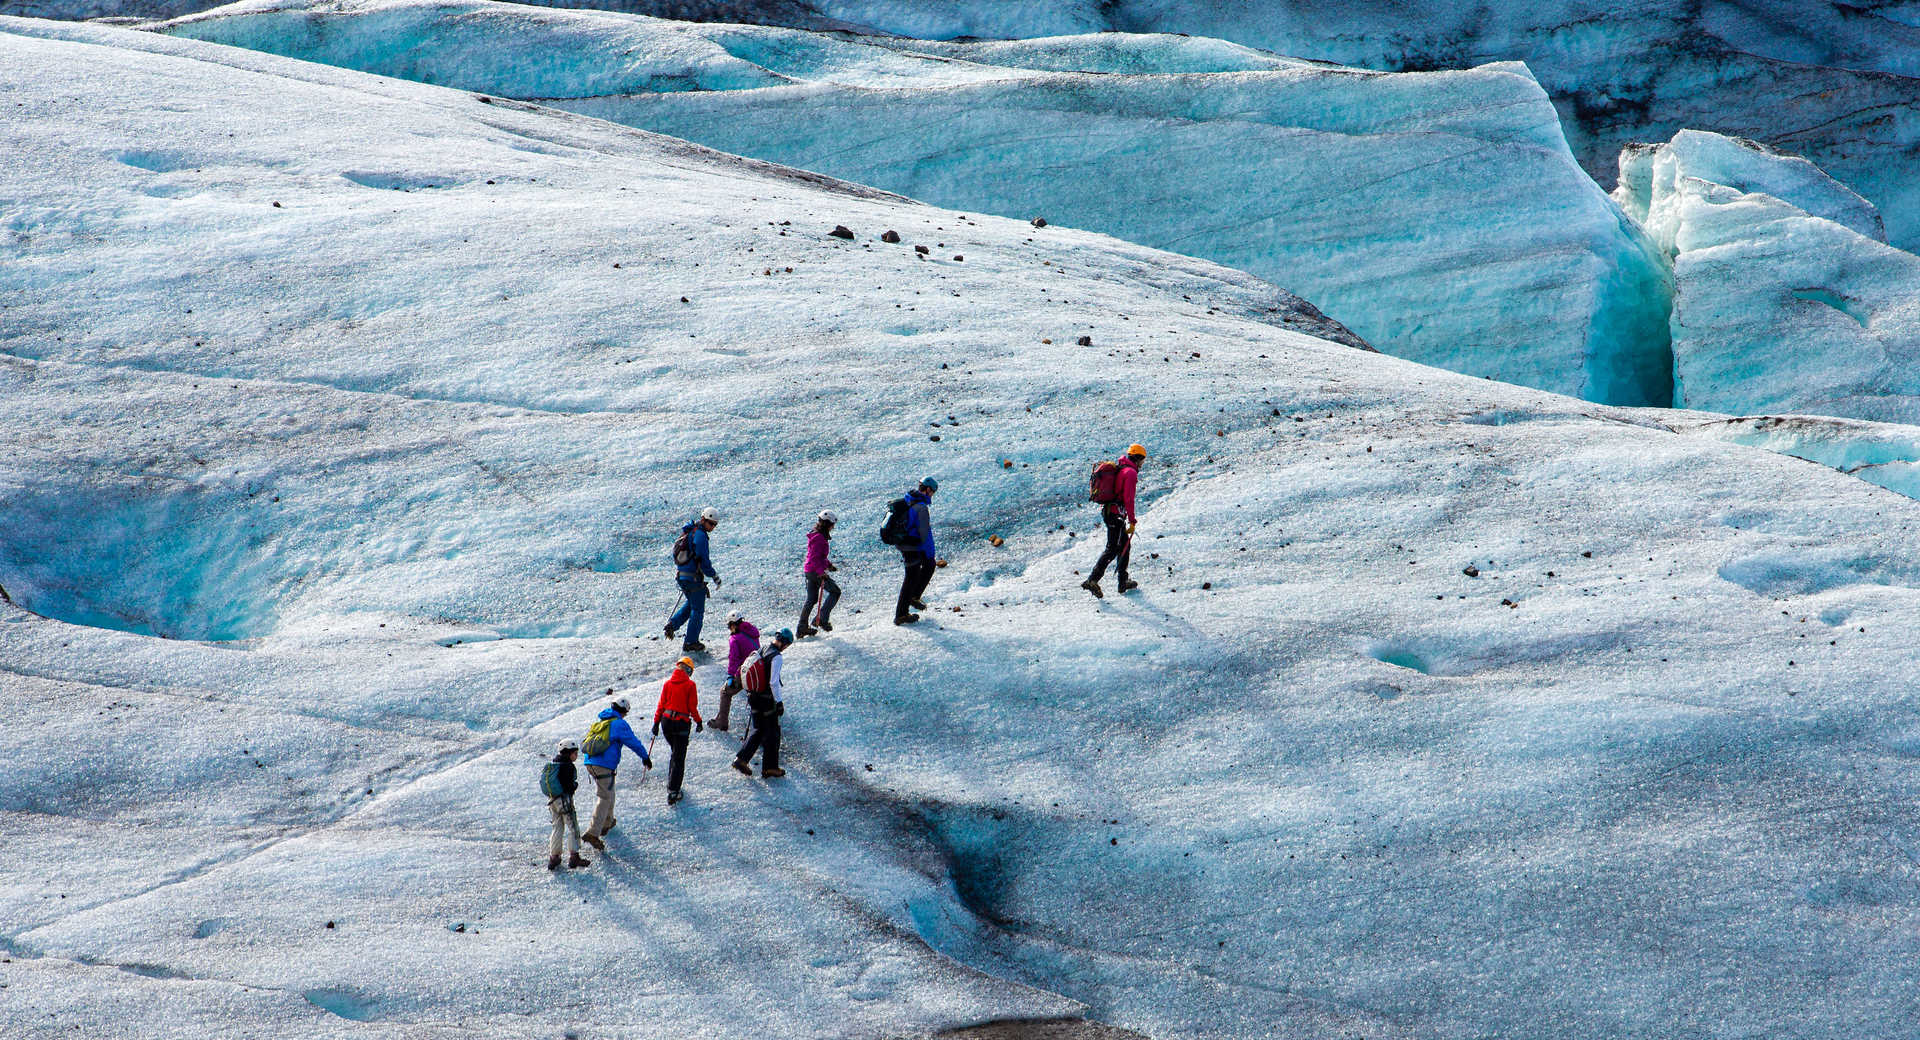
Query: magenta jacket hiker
x=816, y=553
x=739, y=645
x=1127, y=479
x=821, y=590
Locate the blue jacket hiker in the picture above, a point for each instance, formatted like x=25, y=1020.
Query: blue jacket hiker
x=602, y=746
x=917, y=553
x=692, y=566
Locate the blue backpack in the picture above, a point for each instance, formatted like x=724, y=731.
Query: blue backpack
x=550, y=781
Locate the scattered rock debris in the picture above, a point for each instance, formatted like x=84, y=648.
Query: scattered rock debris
x=890, y=237
x=841, y=231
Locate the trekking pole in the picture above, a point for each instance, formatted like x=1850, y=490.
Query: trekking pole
x=647, y=772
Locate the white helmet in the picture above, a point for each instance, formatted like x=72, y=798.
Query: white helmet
x=734, y=615
x=827, y=515
x=622, y=706
x=569, y=745
x=710, y=514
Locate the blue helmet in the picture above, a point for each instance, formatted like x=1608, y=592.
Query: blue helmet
x=785, y=635
x=930, y=484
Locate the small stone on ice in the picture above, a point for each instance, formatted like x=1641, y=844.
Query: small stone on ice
x=840, y=231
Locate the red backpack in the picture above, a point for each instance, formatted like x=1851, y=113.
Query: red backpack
x=755, y=677
x=1104, y=485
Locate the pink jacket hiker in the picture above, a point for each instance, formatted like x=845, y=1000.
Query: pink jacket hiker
x=816, y=553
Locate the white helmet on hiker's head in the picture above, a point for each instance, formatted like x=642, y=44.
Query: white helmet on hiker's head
x=827, y=515
x=622, y=706
x=734, y=617
x=569, y=745
x=710, y=515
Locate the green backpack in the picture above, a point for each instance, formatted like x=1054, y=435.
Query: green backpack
x=599, y=738
x=550, y=781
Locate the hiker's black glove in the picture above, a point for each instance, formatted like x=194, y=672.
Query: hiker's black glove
x=656, y=727
x=647, y=763
x=699, y=727
x=716, y=582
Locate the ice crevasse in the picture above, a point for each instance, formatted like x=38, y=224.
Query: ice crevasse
x=1787, y=297
x=1438, y=215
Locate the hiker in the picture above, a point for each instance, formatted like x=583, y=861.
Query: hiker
x=815, y=571
x=679, y=706
x=761, y=677
x=558, y=782
x=914, y=538
x=1113, y=487
x=743, y=640
x=694, y=566
x=602, y=748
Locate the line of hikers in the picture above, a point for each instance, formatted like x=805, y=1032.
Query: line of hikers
x=755, y=670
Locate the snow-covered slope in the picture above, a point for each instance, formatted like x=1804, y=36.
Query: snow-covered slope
x=1785, y=298
x=285, y=369
x=1439, y=215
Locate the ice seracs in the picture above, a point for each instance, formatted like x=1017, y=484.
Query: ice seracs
x=1785, y=298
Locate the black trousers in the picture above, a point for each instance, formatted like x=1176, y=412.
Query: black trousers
x=913, y=584
x=816, y=583
x=1119, y=546
x=765, y=738
x=676, y=731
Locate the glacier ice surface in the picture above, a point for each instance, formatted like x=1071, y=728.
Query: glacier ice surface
x=1656, y=774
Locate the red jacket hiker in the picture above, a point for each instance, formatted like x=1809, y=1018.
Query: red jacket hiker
x=679, y=699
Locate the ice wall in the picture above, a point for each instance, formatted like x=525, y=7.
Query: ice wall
x=1834, y=82
x=1785, y=298
x=1438, y=215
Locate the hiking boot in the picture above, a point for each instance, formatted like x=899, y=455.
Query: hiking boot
x=803, y=632
x=906, y=619
x=574, y=862
x=772, y=774
x=918, y=604
x=694, y=648
x=1129, y=586
x=823, y=624
x=673, y=797
x=1094, y=587
x=742, y=768
x=721, y=726
x=553, y=862
x=610, y=825
x=594, y=840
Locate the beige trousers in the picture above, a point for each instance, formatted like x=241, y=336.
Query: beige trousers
x=565, y=822
x=603, y=804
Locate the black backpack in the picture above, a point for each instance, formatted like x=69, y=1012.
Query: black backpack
x=683, y=548
x=894, y=531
